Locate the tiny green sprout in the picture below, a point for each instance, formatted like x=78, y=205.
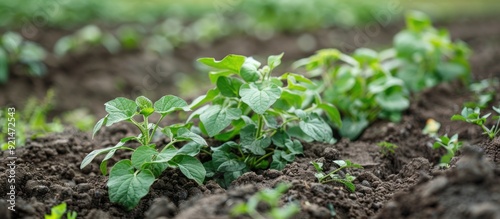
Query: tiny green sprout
x=270, y=197
x=58, y=211
x=452, y=145
x=130, y=179
x=333, y=176
x=473, y=116
x=387, y=148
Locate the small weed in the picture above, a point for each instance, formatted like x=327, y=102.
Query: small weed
x=452, y=145
x=57, y=212
x=473, y=116
x=335, y=176
x=271, y=197
x=387, y=148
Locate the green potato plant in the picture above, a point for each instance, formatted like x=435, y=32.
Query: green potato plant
x=359, y=86
x=473, y=116
x=57, y=212
x=269, y=114
x=452, y=145
x=333, y=176
x=130, y=179
x=15, y=50
x=426, y=56
x=87, y=36
x=270, y=197
x=484, y=92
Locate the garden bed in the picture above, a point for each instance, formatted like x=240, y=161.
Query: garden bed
x=405, y=184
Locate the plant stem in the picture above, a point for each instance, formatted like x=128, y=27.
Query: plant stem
x=260, y=126
x=264, y=157
x=156, y=126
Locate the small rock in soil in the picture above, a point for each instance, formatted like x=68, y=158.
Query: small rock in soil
x=161, y=207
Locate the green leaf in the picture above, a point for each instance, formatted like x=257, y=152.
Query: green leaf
x=120, y=109
x=211, y=94
x=317, y=166
x=277, y=162
x=99, y=124
x=260, y=96
x=396, y=101
x=228, y=87
x=11, y=42
x=185, y=134
x=231, y=166
x=215, y=118
x=332, y=112
x=192, y=149
x=145, y=105
x=57, y=211
x=417, y=21
x=86, y=161
x=170, y=103
x=352, y=128
x=249, y=142
x=249, y=71
x=295, y=147
x=31, y=52
x=191, y=167
x=4, y=66
x=316, y=128
x=231, y=62
x=274, y=61
x=64, y=45
x=408, y=44
x=142, y=155
x=126, y=187
x=280, y=138
x=166, y=155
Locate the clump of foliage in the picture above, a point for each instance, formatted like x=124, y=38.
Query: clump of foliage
x=426, y=56
x=87, y=36
x=452, y=145
x=473, y=116
x=57, y=212
x=268, y=116
x=359, y=85
x=15, y=50
x=271, y=198
x=387, y=148
x=368, y=85
x=335, y=175
x=484, y=92
x=130, y=179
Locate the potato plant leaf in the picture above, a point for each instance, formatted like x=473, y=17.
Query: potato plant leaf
x=215, y=118
x=260, y=96
x=170, y=103
x=120, y=109
x=126, y=186
x=191, y=167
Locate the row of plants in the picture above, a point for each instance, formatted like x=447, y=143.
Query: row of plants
x=262, y=119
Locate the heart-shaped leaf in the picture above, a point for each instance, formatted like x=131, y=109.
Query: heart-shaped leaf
x=260, y=96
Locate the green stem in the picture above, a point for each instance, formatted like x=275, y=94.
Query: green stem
x=143, y=132
x=260, y=126
x=329, y=174
x=264, y=157
x=172, y=142
x=156, y=126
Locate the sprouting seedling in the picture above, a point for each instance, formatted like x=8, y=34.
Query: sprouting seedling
x=452, y=145
x=473, y=116
x=130, y=179
x=58, y=211
x=271, y=197
x=387, y=148
x=334, y=175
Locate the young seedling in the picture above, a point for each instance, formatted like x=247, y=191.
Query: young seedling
x=484, y=92
x=333, y=176
x=452, y=145
x=473, y=116
x=13, y=49
x=270, y=197
x=130, y=179
x=267, y=115
x=387, y=148
x=57, y=212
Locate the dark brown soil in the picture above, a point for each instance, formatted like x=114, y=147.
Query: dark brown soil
x=406, y=184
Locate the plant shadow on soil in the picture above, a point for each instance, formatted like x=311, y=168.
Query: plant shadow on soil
x=404, y=185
